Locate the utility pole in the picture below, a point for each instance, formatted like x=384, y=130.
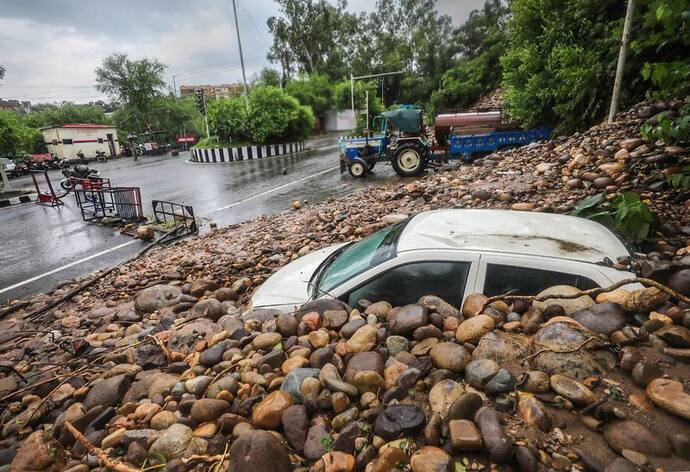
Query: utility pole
x=383, y=102
x=239, y=44
x=367, y=113
x=352, y=83
x=174, y=85
x=208, y=135
x=618, y=83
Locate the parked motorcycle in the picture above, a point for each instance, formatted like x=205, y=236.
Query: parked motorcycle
x=56, y=163
x=100, y=156
x=82, y=158
x=79, y=171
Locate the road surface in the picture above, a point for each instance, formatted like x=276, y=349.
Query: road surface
x=41, y=246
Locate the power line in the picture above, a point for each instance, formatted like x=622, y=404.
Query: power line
x=261, y=33
x=43, y=46
x=194, y=74
x=41, y=92
x=44, y=86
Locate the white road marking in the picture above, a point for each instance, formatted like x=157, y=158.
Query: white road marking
x=98, y=254
x=280, y=187
x=67, y=266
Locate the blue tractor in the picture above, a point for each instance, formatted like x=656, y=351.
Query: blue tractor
x=401, y=140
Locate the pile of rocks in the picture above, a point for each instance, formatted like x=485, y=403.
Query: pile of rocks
x=181, y=379
x=158, y=362
x=491, y=101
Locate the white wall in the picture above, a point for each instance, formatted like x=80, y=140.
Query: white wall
x=85, y=140
x=340, y=120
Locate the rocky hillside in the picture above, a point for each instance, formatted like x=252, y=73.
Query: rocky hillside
x=159, y=364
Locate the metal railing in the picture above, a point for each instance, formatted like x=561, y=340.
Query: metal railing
x=97, y=199
x=179, y=214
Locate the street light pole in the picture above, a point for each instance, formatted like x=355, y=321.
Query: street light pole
x=239, y=44
x=618, y=83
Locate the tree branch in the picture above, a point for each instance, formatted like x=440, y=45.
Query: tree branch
x=103, y=458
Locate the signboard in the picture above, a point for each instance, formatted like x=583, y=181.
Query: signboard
x=185, y=138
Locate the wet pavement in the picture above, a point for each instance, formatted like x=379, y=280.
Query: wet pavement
x=42, y=246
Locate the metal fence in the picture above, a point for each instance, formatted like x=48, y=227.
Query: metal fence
x=176, y=213
x=101, y=200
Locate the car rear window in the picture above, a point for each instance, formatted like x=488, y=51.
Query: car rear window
x=501, y=279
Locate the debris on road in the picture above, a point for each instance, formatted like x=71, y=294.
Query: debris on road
x=159, y=361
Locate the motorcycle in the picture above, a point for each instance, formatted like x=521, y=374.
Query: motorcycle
x=101, y=157
x=57, y=164
x=79, y=171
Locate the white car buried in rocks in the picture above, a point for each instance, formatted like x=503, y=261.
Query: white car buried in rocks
x=451, y=254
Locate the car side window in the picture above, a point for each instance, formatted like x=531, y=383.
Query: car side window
x=405, y=284
x=501, y=279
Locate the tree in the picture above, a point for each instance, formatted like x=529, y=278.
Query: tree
x=480, y=41
x=663, y=46
x=560, y=61
x=66, y=112
x=406, y=35
x=135, y=83
x=307, y=37
x=228, y=119
x=269, y=77
x=662, y=43
x=170, y=114
x=16, y=139
x=315, y=91
x=343, y=99
x=273, y=115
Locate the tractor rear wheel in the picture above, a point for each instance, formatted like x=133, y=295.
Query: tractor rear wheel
x=358, y=168
x=408, y=160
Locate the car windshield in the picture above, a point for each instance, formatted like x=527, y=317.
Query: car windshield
x=356, y=258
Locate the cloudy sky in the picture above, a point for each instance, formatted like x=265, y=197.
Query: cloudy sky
x=50, y=48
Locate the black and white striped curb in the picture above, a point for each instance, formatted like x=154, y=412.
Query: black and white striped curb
x=17, y=200
x=244, y=153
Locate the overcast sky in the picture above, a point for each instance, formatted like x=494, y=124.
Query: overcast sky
x=50, y=48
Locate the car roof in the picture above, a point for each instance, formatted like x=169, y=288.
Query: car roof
x=511, y=232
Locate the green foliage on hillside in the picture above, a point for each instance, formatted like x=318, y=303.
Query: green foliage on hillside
x=481, y=41
x=561, y=60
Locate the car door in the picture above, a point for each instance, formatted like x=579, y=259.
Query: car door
x=412, y=274
x=528, y=275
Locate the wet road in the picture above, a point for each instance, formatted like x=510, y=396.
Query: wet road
x=41, y=246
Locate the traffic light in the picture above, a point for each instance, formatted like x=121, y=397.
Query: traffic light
x=201, y=101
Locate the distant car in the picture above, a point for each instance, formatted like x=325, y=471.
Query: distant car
x=451, y=253
x=9, y=166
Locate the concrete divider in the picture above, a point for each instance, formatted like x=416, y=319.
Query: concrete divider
x=244, y=153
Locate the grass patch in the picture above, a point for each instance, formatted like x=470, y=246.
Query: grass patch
x=213, y=142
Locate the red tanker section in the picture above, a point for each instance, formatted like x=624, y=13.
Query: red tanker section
x=466, y=123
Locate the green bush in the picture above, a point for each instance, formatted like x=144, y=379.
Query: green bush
x=626, y=213
x=227, y=119
x=274, y=115
x=271, y=116
x=315, y=91
x=560, y=61
x=17, y=139
x=301, y=124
